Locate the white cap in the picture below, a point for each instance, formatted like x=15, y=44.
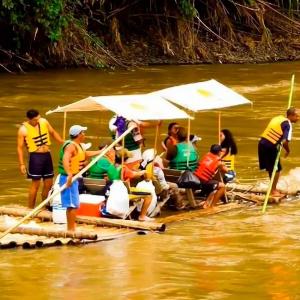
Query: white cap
x=195, y=138
x=147, y=157
x=76, y=129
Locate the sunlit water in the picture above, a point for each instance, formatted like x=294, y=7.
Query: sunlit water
x=235, y=255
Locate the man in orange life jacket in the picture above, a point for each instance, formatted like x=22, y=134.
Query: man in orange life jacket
x=278, y=131
x=207, y=168
x=35, y=134
x=72, y=159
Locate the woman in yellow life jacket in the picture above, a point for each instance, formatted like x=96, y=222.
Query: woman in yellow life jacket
x=229, y=150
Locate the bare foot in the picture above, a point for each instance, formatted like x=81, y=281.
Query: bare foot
x=146, y=219
x=277, y=193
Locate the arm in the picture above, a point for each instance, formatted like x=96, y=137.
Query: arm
x=93, y=153
x=69, y=152
x=285, y=126
x=20, y=145
x=54, y=134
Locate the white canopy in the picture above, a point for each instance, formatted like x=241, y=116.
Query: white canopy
x=204, y=95
x=134, y=107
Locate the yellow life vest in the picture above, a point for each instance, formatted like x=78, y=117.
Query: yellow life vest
x=273, y=132
x=77, y=161
x=37, y=136
x=228, y=161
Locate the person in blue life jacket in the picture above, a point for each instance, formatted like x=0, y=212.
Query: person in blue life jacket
x=35, y=134
x=278, y=131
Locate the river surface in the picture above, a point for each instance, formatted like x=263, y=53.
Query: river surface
x=234, y=255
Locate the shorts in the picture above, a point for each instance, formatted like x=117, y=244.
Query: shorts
x=40, y=166
x=70, y=195
x=267, y=154
x=209, y=186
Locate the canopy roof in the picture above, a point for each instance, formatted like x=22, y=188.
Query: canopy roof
x=204, y=95
x=134, y=107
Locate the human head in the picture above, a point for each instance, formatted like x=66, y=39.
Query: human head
x=173, y=128
x=225, y=134
x=215, y=149
x=77, y=130
x=292, y=114
x=111, y=154
x=181, y=134
x=33, y=116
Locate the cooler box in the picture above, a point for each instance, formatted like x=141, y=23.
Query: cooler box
x=90, y=205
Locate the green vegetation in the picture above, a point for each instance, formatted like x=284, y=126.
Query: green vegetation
x=101, y=33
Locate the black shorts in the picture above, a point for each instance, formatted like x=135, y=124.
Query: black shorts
x=267, y=153
x=40, y=166
x=209, y=186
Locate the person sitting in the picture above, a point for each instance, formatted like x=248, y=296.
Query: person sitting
x=172, y=138
x=229, y=150
x=153, y=165
x=183, y=155
x=206, y=170
x=109, y=167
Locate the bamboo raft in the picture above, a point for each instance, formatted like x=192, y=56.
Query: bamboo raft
x=41, y=232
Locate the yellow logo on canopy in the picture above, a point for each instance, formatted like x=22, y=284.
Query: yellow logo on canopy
x=204, y=93
x=137, y=106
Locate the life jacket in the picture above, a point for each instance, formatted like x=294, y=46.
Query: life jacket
x=179, y=162
x=77, y=161
x=228, y=161
x=273, y=132
x=37, y=136
x=207, y=167
x=130, y=143
x=173, y=141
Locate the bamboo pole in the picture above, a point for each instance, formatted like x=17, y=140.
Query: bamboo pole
x=47, y=215
x=43, y=203
x=51, y=232
x=219, y=127
x=278, y=154
x=64, y=125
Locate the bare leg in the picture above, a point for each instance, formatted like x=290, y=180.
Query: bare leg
x=33, y=190
x=145, y=206
x=218, y=195
x=48, y=182
x=71, y=217
x=275, y=181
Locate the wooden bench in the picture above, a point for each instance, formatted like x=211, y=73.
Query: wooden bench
x=172, y=175
x=95, y=186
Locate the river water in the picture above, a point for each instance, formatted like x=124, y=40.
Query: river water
x=234, y=255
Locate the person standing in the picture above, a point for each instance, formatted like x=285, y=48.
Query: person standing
x=278, y=131
x=35, y=135
x=72, y=158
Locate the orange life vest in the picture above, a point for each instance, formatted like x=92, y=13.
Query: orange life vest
x=207, y=166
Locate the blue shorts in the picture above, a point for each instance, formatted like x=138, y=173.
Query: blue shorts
x=69, y=196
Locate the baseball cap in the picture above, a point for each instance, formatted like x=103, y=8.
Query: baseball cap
x=76, y=130
x=194, y=138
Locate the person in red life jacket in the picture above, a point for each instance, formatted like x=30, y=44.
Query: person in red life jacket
x=172, y=138
x=278, y=131
x=35, y=135
x=206, y=170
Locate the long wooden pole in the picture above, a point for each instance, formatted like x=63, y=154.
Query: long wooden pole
x=43, y=203
x=278, y=153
